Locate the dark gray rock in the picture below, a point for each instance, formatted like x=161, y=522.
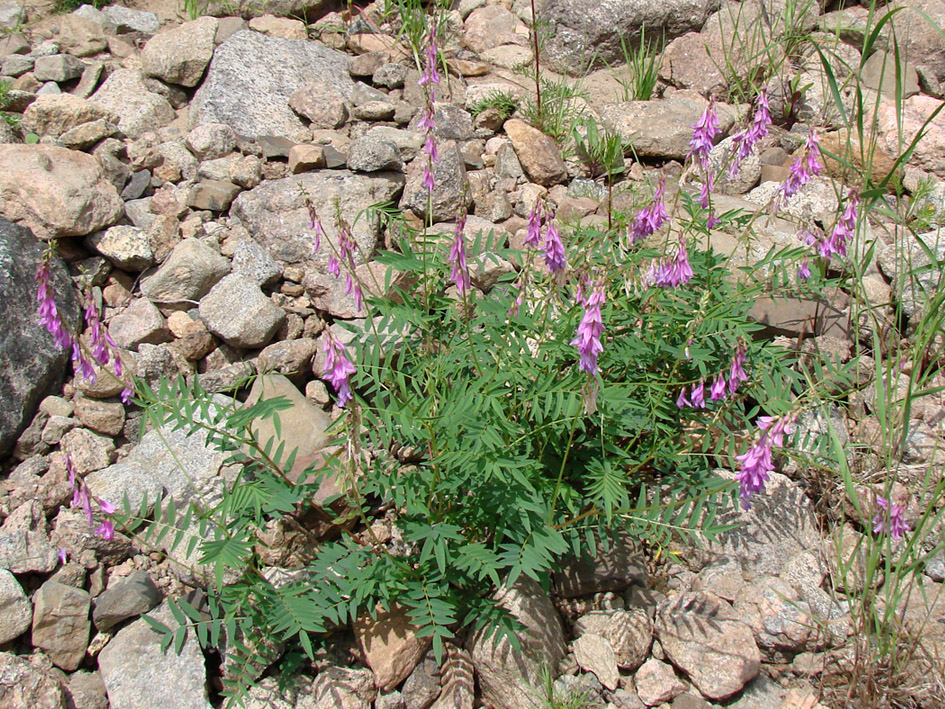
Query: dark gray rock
x=32, y=365
x=252, y=76
x=587, y=33
x=130, y=597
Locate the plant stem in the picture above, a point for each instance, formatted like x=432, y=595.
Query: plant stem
x=537, y=62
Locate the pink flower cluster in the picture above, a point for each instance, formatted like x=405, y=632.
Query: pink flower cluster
x=844, y=230
x=427, y=81
x=104, y=349
x=651, y=217
x=720, y=387
x=673, y=272
x=552, y=245
x=591, y=328
x=82, y=498
x=338, y=368
x=890, y=519
x=757, y=463
x=745, y=140
x=803, y=169
x=703, y=140
x=459, y=272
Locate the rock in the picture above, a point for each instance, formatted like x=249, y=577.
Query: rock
x=33, y=365
x=657, y=683
x=215, y=195
x=538, y=153
x=58, y=68
x=211, y=140
x=342, y=688
x=180, y=55
x=279, y=27
x=251, y=261
x=390, y=75
x=276, y=215
x=919, y=42
x=127, y=479
x=749, y=169
x=61, y=623
x=189, y=273
x=450, y=190
x=24, y=544
x=758, y=541
x=375, y=110
x=879, y=73
x=594, y=654
x=127, y=247
x=88, y=451
x=87, y=690
x=86, y=135
x=252, y=76
x=303, y=158
x=24, y=684
x=238, y=312
x=368, y=154
x=55, y=192
x=321, y=103
x=852, y=154
x=629, y=632
x=585, y=34
x=127, y=19
x=80, y=37
x=139, y=323
x=139, y=675
x=687, y=64
x=139, y=110
x=303, y=425
x=391, y=647
x=783, y=624
x=929, y=153
x=16, y=612
x=128, y=598
x=507, y=677
x=287, y=357
x=492, y=26
x=702, y=635
x=662, y=128
x=617, y=565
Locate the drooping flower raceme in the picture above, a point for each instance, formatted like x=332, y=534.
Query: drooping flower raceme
x=590, y=329
x=896, y=525
x=756, y=462
x=338, y=369
x=672, y=273
x=651, y=217
x=736, y=371
x=427, y=81
x=803, y=169
x=743, y=142
x=48, y=312
x=535, y=221
x=554, y=248
x=844, y=231
x=703, y=136
x=82, y=498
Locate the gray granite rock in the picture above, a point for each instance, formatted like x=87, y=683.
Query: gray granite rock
x=26, y=684
x=252, y=76
x=24, y=543
x=16, y=612
x=127, y=247
x=130, y=597
x=188, y=273
x=180, y=55
x=61, y=623
x=139, y=675
x=238, y=312
x=139, y=110
x=369, y=154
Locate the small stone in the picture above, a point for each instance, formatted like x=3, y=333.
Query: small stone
x=594, y=654
x=390, y=75
x=189, y=272
x=24, y=544
x=657, y=683
x=86, y=689
x=16, y=612
x=538, y=153
x=279, y=27
x=58, y=68
x=303, y=158
x=288, y=357
x=128, y=598
x=141, y=322
x=56, y=427
x=390, y=646
x=211, y=140
x=375, y=111
x=80, y=37
x=237, y=311
x=127, y=247
x=86, y=135
x=88, y=451
x=274, y=146
x=101, y=416
x=27, y=684
x=61, y=623
x=321, y=103
x=214, y=195
x=368, y=154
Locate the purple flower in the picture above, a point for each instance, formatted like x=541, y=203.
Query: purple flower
x=896, y=525
x=803, y=169
x=845, y=229
x=338, y=369
x=319, y=233
x=703, y=135
x=106, y=507
x=459, y=272
x=590, y=329
x=48, y=312
x=697, y=396
x=736, y=372
x=63, y=555
x=429, y=148
x=651, y=217
x=681, y=400
x=717, y=391
x=82, y=364
x=671, y=274
x=554, y=248
x=535, y=220
x=126, y=394
x=803, y=271
x=744, y=141
x=106, y=530
x=430, y=75
x=756, y=463
x=428, y=182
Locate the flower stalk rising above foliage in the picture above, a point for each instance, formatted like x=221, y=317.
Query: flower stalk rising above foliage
x=743, y=142
x=459, y=272
x=338, y=369
x=651, y=217
x=889, y=519
x=590, y=329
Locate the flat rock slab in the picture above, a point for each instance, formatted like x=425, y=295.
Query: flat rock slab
x=702, y=635
x=277, y=216
x=252, y=76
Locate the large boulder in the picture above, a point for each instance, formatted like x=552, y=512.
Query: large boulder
x=252, y=76
x=33, y=366
x=181, y=55
x=55, y=191
x=277, y=216
x=588, y=33
x=138, y=109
